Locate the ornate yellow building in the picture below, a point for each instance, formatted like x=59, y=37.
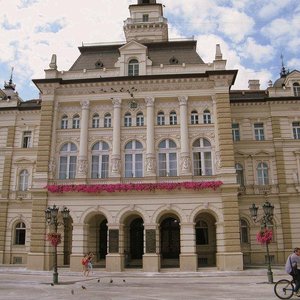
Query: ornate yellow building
x=153, y=153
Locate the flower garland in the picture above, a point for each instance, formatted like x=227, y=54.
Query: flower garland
x=54, y=238
x=125, y=187
x=264, y=236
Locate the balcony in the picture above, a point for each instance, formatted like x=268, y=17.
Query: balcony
x=131, y=21
x=258, y=189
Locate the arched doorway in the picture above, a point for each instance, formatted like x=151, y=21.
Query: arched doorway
x=134, y=242
x=170, y=242
x=206, y=246
x=68, y=230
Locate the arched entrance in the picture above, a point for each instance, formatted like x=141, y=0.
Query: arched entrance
x=170, y=242
x=68, y=231
x=97, y=238
x=134, y=242
x=206, y=245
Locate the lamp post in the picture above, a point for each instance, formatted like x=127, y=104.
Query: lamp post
x=268, y=209
x=51, y=216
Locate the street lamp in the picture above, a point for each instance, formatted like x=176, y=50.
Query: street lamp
x=267, y=218
x=51, y=216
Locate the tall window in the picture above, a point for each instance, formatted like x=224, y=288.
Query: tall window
x=296, y=88
x=240, y=174
x=235, y=131
x=244, y=231
x=127, y=120
x=173, y=118
x=100, y=160
x=194, y=117
x=133, y=68
x=145, y=18
x=76, y=122
x=206, y=117
x=167, y=158
x=259, y=131
x=20, y=234
x=64, y=122
x=296, y=130
x=160, y=118
x=23, y=180
x=107, y=120
x=201, y=233
x=262, y=174
x=67, y=161
x=26, y=143
x=202, y=160
x=95, y=122
x=134, y=159
x=140, y=119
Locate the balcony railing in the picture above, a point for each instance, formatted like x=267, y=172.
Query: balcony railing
x=131, y=21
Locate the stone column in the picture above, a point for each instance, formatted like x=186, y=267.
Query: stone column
x=114, y=259
x=151, y=259
x=188, y=256
x=82, y=167
x=116, y=149
x=185, y=160
x=150, y=151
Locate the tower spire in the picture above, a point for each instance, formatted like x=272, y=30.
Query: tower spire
x=283, y=72
x=10, y=84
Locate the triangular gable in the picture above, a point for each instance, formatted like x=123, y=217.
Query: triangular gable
x=132, y=46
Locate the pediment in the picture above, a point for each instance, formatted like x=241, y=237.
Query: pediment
x=24, y=161
x=292, y=77
x=133, y=46
x=262, y=153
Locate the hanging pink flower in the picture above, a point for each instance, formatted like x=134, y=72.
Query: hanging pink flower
x=54, y=238
x=125, y=187
x=264, y=236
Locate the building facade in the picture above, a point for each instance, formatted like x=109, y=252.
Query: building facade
x=153, y=153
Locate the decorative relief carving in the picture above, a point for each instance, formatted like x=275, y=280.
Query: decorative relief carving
x=117, y=102
x=185, y=163
x=116, y=164
x=82, y=166
x=150, y=164
x=182, y=100
x=149, y=101
x=218, y=161
x=52, y=166
x=85, y=104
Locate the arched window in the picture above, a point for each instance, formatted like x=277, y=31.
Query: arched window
x=167, y=158
x=76, y=122
x=194, y=117
x=107, y=120
x=202, y=159
x=64, y=122
x=173, y=118
x=244, y=231
x=23, y=180
x=240, y=174
x=100, y=160
x=127, y=120
x=134, y=159
x=206, y=117
x=139, y=119
x=160, y=118
x=262, y=173
x=133, y=67
x=296, y=88
x=67, y=161
x=20, y=233
x=95, y=122
x=201, y=233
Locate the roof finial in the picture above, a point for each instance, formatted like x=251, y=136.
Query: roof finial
x=283, y=72
x=10, y=84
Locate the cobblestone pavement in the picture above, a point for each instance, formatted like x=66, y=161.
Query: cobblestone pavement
x=19, y=283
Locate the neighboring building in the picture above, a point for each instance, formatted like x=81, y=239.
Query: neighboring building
x=181, y=156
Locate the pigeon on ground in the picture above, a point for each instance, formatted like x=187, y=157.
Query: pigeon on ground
x=52, y=284
x=72, y=292
x=124, y=280
x=111, y=281
x=83, y=287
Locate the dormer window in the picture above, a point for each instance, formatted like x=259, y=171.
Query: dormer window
x=99, y=64
x=296, y=87
x=133, y=68
x=173, y=60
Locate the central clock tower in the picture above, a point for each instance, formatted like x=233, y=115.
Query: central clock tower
x=146, y=22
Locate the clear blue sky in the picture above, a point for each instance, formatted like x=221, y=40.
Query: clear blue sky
x=253, y=34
